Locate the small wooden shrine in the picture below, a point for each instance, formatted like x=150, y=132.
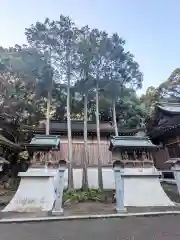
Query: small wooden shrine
x=164, y=129
x=132, y=151
x=43, y=150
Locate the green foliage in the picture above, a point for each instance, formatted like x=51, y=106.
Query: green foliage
x=59, y=51
x=60, y=55
x=82, y=196
x=22, y=83
x=169, y=89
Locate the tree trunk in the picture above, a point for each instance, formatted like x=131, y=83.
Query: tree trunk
x=49, y=98
x=48, y=111
x=85, y=162
x=114, y=117
x=98, y=139
x=70, y=170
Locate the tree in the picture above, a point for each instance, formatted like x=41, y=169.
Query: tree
x=104, y=65
x=149, y=99
x=43, y=37
x=130, y=111
x=68, y=34
x=170, y=89
x=62, y=59
x=59, y=38
x=84, y=85
x=23, y=68
x=122, y=72
x=98, y=41
x=81, y=88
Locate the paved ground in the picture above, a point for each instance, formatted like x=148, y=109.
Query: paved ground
x=151, y=228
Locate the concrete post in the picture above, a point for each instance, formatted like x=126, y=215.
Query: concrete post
x=175, y=163
x=57, y=210
x=176, y=170
x=119, y=185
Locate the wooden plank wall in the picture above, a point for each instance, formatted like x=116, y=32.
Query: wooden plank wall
x=78, y=152
x=160, y=157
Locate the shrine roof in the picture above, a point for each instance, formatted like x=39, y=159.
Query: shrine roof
x=7, y=143
x=131, y=142
x=164, y=120
x=76, y=126
x=169, y=108
x=44, y=142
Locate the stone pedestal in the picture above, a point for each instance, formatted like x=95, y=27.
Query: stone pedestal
x=175, y=167
x=35, y=193
x=40, y=189
x=176, y=170
x=142, y=188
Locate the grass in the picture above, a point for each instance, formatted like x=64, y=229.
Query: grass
x=92, y=195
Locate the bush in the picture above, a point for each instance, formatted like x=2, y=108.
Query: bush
x=82, y=196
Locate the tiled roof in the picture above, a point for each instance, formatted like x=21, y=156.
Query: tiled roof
x=131, y=142
x=171, y=108
x=79, y=126
x=4, y=141
x=49, y=141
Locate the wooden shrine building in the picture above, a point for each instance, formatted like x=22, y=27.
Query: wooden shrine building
x=59, y=128
x=133, y=151
x=164, y=129
x=43, y=150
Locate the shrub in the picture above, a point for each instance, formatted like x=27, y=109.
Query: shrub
x=82, y=196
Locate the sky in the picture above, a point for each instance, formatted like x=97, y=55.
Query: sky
x=150, y=28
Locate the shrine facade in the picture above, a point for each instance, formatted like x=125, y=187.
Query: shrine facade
x=44, y=151
x=164, y=129
x=132, y=151
x=59, y=128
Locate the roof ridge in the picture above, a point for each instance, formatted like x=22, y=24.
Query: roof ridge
x=131, y=137
x=45, y=136
x=168, y=104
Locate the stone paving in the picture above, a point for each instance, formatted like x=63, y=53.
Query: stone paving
x=131, y=228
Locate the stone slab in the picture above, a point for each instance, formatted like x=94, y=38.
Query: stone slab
x=35, y=174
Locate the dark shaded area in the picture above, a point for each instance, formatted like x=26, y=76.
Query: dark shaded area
x=172, y=192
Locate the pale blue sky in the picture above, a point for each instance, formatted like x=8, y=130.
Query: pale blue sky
x=151, y=28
